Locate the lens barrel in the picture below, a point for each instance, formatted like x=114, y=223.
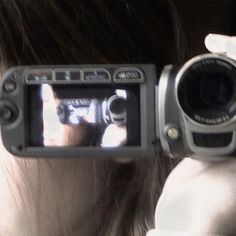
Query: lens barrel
x=117, y=109
x=206, y=89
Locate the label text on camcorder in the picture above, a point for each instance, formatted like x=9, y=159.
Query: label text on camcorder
x=210, y=121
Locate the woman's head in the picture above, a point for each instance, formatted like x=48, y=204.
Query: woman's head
x=90, y=32
x=81, y=32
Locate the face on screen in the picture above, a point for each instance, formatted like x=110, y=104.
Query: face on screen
x=102, y=116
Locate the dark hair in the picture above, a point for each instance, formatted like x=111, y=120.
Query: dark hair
x=101, y=31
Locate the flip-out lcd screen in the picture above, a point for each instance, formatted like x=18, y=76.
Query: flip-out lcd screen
x=82, y=115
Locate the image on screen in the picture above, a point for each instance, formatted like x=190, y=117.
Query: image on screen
x=84, y=116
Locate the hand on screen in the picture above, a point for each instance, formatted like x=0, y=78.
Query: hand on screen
x=114, y=136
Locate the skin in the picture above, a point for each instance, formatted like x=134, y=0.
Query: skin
x=200, y=196
x=51, y=188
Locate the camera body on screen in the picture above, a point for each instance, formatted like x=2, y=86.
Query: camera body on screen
x=120, y=111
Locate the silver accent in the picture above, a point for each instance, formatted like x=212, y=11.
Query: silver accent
x=209, y=153
x=172, y=133
x=160, y=108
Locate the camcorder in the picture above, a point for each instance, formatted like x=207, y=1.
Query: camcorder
x=121, y=110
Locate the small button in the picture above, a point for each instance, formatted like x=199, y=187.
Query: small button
x=5, y=113
x=128, y=75
x=96, y=75
x=8, y=112
x=39, y=76
x=68, y=75
x=75, y=75
x=60, y=76
x=9, y=86
x=172, y=132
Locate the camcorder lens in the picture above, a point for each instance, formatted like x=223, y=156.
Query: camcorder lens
x=212, y=90
x=117, y=106
x=206, y=91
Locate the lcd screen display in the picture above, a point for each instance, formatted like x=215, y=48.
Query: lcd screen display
x=84, y=115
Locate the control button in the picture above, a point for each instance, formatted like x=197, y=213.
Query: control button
x=39, y=76
x=9, y=86
x=68, y=75
x=5, y=113
x=8, y=112
x=128, y=75
x=61, y=76
x=172, y=132
x=97, y=75
x=75, y=75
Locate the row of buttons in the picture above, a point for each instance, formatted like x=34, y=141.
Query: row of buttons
x=92, y=75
